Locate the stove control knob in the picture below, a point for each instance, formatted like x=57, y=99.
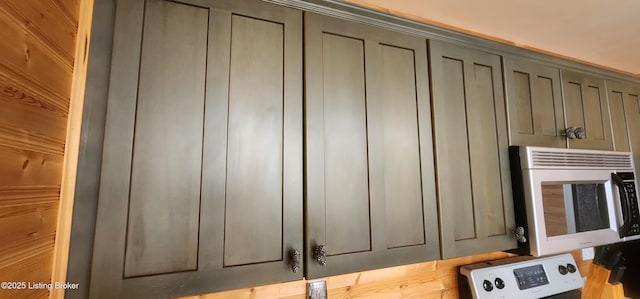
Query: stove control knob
x=571, y=268
x=562, y=269
x=487, y=286
x=499, y=283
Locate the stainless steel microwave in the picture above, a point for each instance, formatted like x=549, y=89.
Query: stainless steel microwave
x=567, y=199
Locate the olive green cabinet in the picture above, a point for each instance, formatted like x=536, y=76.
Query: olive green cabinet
x=471, y=148
x=369, y=163
x=624, y=105
x=201, y=180
x=534, y=101
x=550, y=107
x=587, y=110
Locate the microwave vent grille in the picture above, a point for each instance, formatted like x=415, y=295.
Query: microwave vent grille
x=609, y=160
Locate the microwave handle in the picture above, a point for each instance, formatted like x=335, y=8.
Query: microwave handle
x=626, y=207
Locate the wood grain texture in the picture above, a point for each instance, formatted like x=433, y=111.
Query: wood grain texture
x=430, y=280
x=48, y=23
x=36, y=60
x=164, y=200
x=253, y=216
x=27, y=107
x=474, y=183
x=72, y=146
x=31, y=59
x=345, y=145
x=36, y=268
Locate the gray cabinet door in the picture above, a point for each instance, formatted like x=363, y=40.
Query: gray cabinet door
x=370, y=181
x=624, y=105
x=585, y=106
x=201, y=183
x=472, y=161
x=534, y=101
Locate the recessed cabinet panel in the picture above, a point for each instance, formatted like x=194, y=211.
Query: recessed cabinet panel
x=369, y=175
x=624, y=103
x=164, y=201
x=474, y=186
x=345, y=145
x=484, y=150
x=618, y=120
x=253, y=218
x=586, y=106
x=534, y=101
x=402, y=177
x=593, y=113
x=632, y=110
x=201, y=177
x=523, y=103
x=455, y=177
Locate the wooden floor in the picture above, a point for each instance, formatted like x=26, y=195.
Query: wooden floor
x=37, y=49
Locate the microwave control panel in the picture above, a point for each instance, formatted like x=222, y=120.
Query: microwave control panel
x=522, y=277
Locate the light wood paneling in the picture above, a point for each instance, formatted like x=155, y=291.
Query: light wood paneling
x=36, y=61
x=26, y=227
x=31, y=59
x=30, y=108
x=35, y=269
x=48, y=23
x=430, y=280
x=72, y=147
x=23, y=167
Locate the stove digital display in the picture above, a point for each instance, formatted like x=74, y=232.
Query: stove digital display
x=530, y=277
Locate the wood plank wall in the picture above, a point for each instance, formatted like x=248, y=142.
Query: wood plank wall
x=430, y=280
x=37, y=49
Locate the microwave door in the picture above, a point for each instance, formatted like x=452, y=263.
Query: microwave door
x=625, y=226
x=572, y=210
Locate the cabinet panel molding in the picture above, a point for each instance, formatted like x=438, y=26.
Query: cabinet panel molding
x=586, y=106
x=370, y=183
x=534, y=100
x=202, y=158
x=474, y=185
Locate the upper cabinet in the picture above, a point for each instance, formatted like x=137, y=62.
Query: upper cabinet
x=586, y=109
x=534, y=100
x=624, y=103
x=201, y=182
x=472, y=160
x=370, y=176
x=549, y=107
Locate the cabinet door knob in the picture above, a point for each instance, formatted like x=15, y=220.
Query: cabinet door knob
x=581, y=133
x=518, y=234
x=295, y=260
x=320, y=254
x=570, y=132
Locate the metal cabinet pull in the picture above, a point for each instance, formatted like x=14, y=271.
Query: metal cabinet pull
x=295, y=260
x=320, y=254
x=570, y=133
x=518, y=234
x=581, y=133
x=575, y=133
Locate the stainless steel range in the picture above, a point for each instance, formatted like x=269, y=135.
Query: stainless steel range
x=522, y=277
